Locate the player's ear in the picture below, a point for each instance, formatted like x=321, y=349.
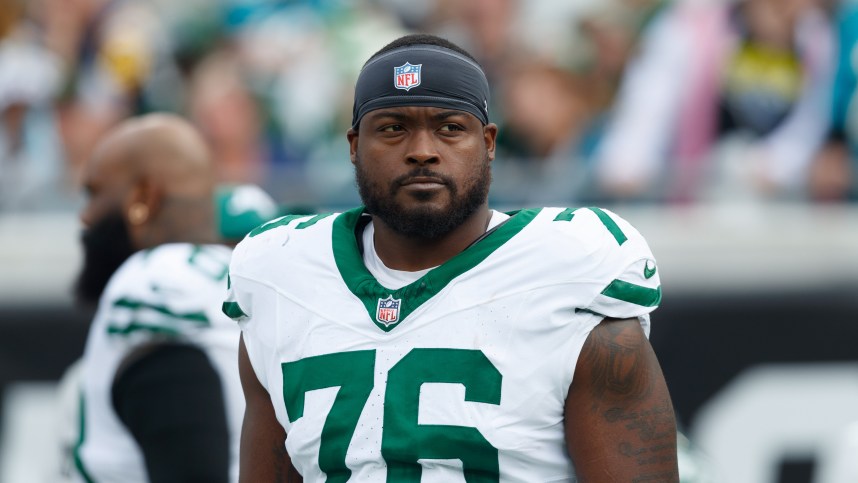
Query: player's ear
x=490, y=134
x=143, y=202
x=352, y=136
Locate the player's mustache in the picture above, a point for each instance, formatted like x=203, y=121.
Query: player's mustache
x=420, y=173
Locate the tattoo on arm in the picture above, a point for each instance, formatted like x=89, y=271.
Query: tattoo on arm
x=618, y=374
x=628, y=394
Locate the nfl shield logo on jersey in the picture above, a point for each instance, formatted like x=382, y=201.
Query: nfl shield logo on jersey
x=388, y=310
x=407, y=76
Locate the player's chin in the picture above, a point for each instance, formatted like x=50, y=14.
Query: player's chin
x=422, y=202
x=424, y=192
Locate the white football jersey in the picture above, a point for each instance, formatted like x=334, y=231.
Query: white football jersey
x=463, y=373
x=170, y=293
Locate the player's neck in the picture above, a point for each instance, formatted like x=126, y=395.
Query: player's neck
x=400, y=252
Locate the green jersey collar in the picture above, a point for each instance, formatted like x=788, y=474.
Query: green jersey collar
x=388, y=308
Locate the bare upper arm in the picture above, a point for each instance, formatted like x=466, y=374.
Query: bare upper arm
x=263, y=454
x=619, y=421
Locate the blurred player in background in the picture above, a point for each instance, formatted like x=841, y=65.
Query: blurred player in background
x=161, y=400
x=239, y=208
x=424, y=337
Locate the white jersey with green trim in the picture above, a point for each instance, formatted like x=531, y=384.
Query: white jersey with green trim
x=461, y=374
x=169, y=293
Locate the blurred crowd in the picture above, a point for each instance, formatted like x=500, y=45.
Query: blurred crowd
x=598, y=101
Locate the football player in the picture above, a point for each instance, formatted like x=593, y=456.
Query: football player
x=161, y=398
x=426, y=337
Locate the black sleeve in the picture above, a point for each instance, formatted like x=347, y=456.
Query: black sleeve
x=170, y=398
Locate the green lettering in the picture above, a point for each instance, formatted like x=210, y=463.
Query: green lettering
x=404, y=441
x=353, y=373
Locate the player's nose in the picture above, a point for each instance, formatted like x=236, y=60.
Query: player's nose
x=422, y=148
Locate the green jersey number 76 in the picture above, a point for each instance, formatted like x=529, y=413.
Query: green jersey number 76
x=404, y=441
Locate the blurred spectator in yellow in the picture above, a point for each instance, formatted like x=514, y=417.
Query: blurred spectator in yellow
x=726, y=101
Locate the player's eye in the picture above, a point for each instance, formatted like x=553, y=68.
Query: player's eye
x=451, y=128
x=391, y=128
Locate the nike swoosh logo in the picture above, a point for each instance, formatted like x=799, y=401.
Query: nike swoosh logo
x=649, y=272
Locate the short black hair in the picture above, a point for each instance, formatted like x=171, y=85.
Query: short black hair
x=422, y=39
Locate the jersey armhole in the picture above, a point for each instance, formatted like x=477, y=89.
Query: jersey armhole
x=171, y=399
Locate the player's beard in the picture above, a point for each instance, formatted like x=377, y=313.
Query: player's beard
x=423, y=222
x=106, y=245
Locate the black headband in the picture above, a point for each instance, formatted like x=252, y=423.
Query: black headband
x=422, y=75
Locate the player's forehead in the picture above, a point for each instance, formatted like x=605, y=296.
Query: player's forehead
x=406, y=113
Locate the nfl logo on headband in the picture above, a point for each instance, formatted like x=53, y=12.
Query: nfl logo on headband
x=406, y=76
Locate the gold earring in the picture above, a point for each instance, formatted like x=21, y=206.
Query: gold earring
x=138, y=213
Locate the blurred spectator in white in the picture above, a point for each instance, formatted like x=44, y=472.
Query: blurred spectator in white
x=726, y=101
x=549, y=28
x=31, y=158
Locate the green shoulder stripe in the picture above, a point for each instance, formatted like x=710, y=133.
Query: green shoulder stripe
x=142, y=327
x=635, y=294
x=274, y=224
x=610, y=224
x=312, y=221
x=197, y=317
x=288, y=219
x=232, y=310
x=565, y=215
